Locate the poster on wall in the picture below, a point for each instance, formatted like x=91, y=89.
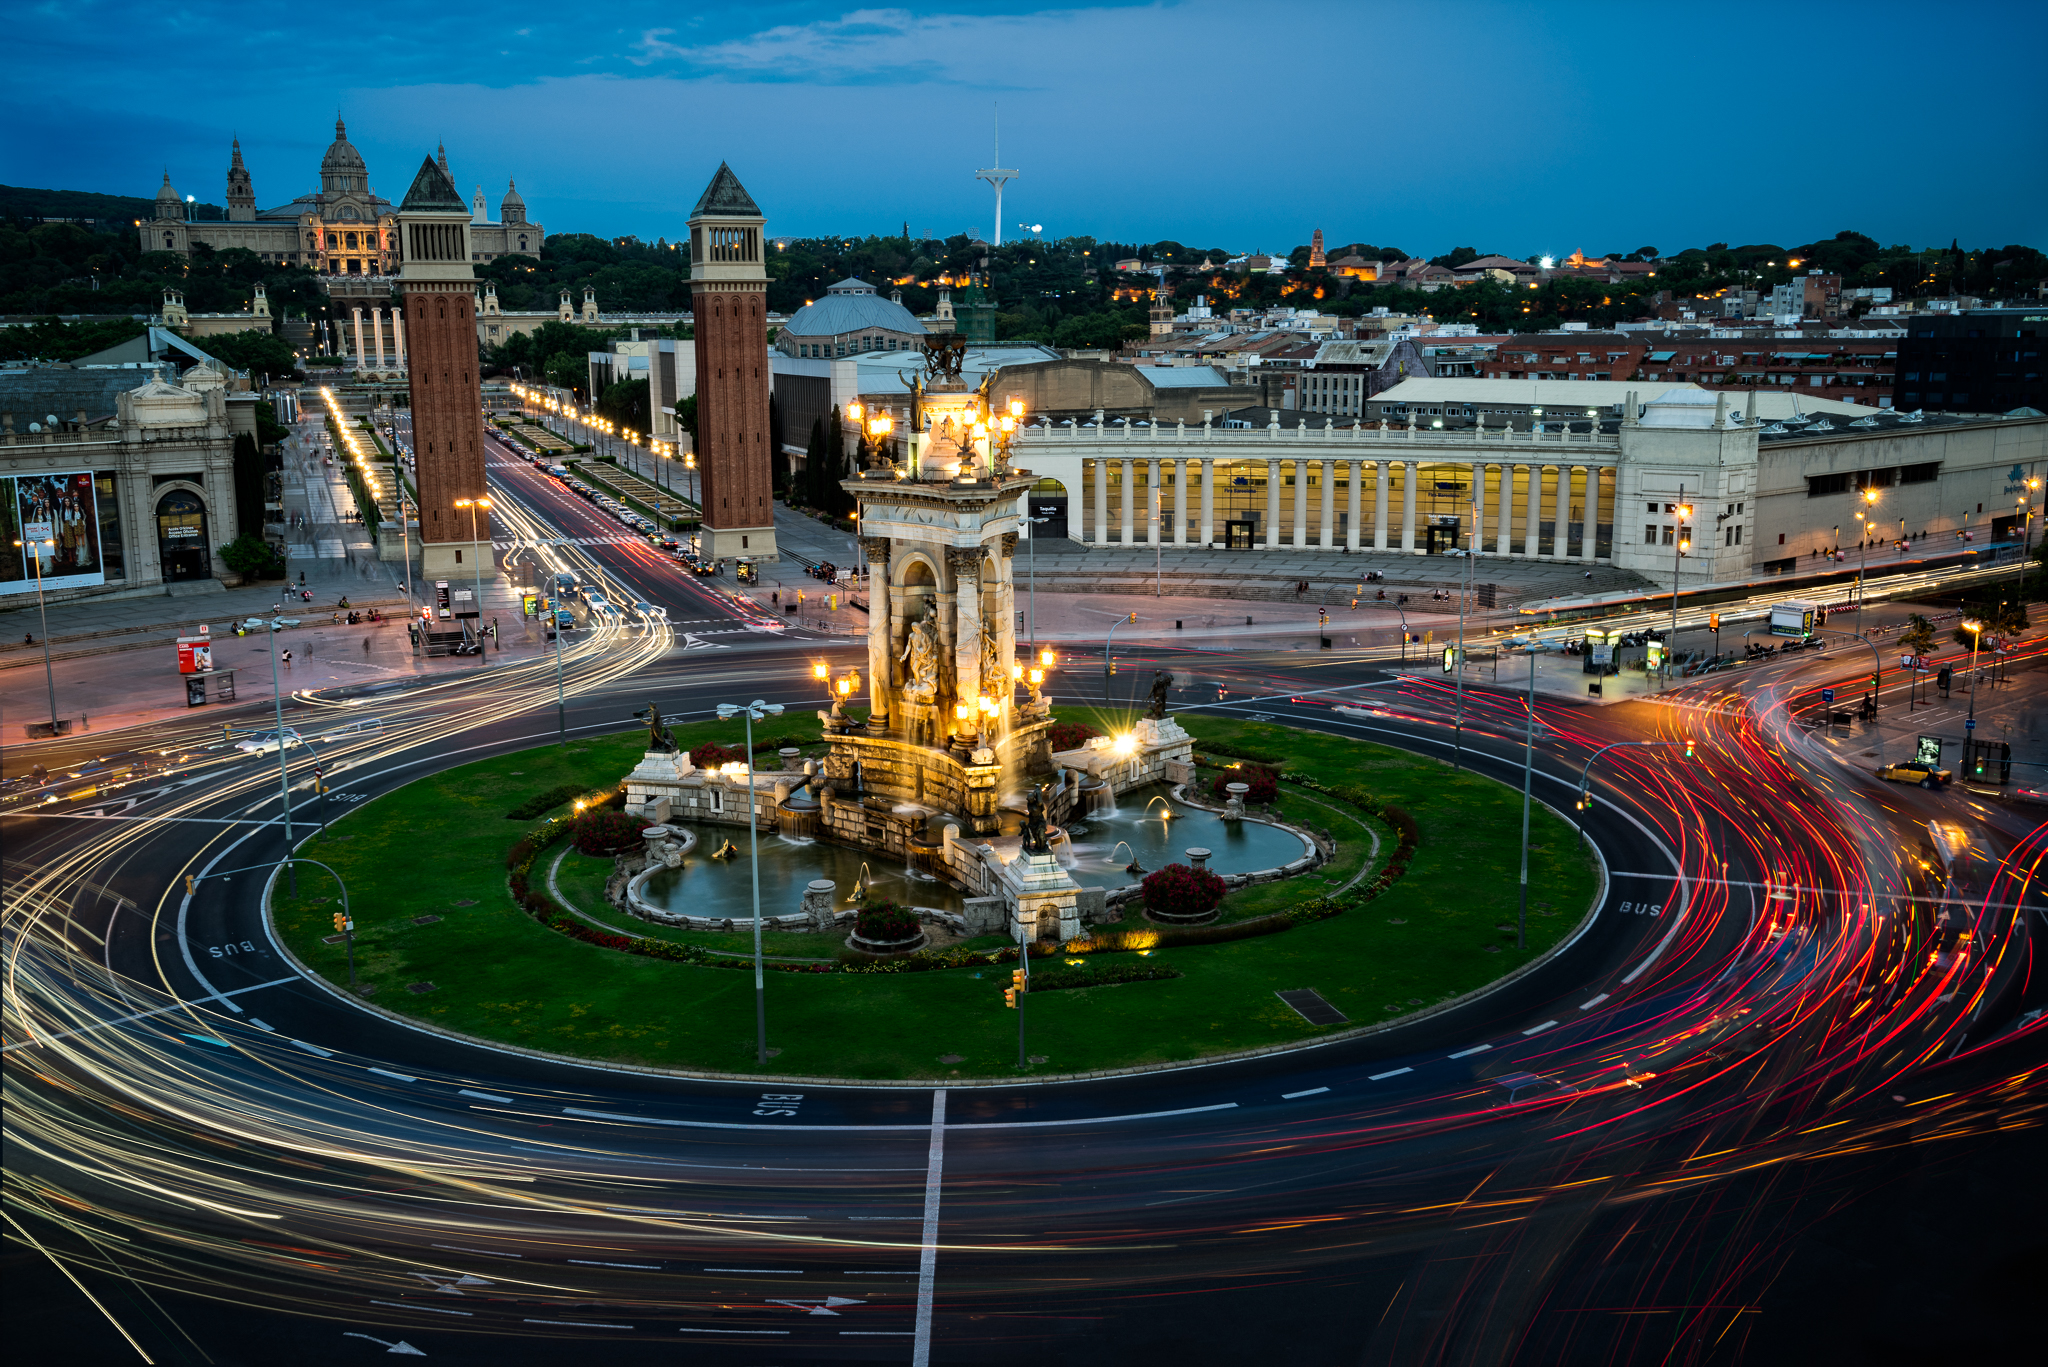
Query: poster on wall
x=56, y=518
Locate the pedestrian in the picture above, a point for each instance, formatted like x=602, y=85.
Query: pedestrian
x=287, y=659
x=1589, y=574
x=366, y=645
x=28, y=638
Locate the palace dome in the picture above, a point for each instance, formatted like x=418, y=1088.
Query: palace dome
x=852, y=306
x=342, y=157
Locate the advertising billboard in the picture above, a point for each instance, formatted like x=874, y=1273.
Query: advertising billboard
x=56, y=517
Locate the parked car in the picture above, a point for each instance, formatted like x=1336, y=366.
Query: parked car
x=1916, y=771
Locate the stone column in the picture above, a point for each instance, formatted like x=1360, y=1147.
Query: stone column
x=1006, y=617
x=1272, y=504
x=1409, y=472
x=1532, y=539
x=965, y=563
x=1301, y=469
x=1478, y=541
x=1351, y=523
x=876, y=549
x=1124, y=502
x=1379, y=507
x=1101, y=502
x=1327, y=497
x=377, y=333
x=1589, y=539
x=1152, y=473
x=358, y=313
x=1560, y=538
x=1180, y=502
x=398, y=335
x=1504, y=521
x=1208, y=467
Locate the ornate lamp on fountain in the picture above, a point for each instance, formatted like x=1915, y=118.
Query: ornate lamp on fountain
x=751, y=711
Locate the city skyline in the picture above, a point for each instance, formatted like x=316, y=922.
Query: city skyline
x=1542, y=139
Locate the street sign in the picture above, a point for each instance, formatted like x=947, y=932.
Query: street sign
x=1969, y=723
x=1827, y=695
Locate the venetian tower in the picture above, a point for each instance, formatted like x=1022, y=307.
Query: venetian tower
x=437, y=289
x=729, y=296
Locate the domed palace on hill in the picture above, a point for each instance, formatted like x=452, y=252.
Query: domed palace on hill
x=343, y=228
x=849, y=320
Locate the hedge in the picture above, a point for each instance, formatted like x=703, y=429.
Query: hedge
x=547, y=801
x=1099, y=975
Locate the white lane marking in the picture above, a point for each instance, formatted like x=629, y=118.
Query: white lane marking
x=1539, y=1029
x=928, y=1257
x=580, y=1324
x=1588, y=1006
x=486, y=1096
x=877, y=1333
x=265, y=1026
x=644, y=1267
x=143, y=1015
x=402, y=1077
x=314, y=1049
x=1313, y=1091
x=430, y=1309
x=900, y=1272
x=1475, y=1049
x=769, y=1271
x=1382, y=1077
x=732, y=1331
x=969, y=1125
x=485, y=1251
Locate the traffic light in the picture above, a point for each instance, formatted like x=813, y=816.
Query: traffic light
x=1688, y=748
x=1585, y=798
x=1713, y=621
x=1018, y=982
x=191, y=885
x=1112, y=665
x=1134, y=617
x=1010, y=998
x=340, y=921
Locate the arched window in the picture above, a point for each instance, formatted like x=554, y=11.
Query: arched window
x=169, y=241
x=332, y=242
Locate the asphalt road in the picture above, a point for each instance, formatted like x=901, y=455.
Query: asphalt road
x=1767, y=1030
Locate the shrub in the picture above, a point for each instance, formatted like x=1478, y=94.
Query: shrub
x=1179, y=890
x=607, y=832
x=1217, y=747
x=1264, y=782
x=881, y=922
x=1098, y=975
x=1072, y=735
x=710, y=756
x=546, y=802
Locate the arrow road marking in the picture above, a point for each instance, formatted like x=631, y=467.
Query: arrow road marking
x=401, y=1347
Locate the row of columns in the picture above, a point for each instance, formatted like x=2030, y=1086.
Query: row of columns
x=377, y=336
x=1545, y=485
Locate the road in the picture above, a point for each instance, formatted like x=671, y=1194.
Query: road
x=1787, y=992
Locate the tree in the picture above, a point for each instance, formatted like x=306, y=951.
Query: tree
x=260, y=353
x=250, y=555
x=627, y=404
x=1918, y=637
x=569, y=371
x=778, y=459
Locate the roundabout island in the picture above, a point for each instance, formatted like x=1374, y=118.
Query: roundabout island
x=1396, y=895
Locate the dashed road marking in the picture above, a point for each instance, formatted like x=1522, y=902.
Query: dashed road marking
x=1475, y=1049
x=1313, y=1091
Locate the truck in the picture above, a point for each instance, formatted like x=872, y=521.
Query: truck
x=1794, y=617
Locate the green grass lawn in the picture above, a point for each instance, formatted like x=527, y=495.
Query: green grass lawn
x=437, y=847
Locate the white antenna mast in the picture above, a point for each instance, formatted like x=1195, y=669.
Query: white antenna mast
x=997, y=176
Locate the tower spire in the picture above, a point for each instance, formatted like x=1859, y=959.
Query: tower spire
x=997, y=175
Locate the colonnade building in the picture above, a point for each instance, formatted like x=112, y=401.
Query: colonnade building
x=1764, y=493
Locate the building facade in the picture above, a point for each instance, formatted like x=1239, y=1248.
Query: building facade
x=729, y=297
x=437, y=289
x=850, y=319
x=1981, y=361
x=343, y=228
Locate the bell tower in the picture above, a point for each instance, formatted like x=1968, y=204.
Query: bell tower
x=241, y=189
x=729, y=295
x=437, y=288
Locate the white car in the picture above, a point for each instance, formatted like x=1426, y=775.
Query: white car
x=650, y=613
x=598, y=605
x=266, y=742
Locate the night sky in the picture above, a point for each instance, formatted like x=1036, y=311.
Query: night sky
x=1519, y=128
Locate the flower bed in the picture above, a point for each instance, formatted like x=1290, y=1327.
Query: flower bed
x=607, y=832
x=1263, y=782
x=1182, y=895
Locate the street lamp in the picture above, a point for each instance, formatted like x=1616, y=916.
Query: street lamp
x=36, y=556
x=473, y=504
x=753, y=711
x=1681, y=546
x=1976, y=630
x=1869, y=500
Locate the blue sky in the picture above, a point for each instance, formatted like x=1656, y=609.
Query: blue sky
x=1519, y=128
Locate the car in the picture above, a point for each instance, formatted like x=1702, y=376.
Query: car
x=598, y=605
x=650, y=613
x=1916, y=771
x=266, y=742
x=565, y=620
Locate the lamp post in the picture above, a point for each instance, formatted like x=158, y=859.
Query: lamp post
x=752, y=711
x=1031, y=562
x=1586, y=775
x=1458, y=735
x=1680, y=545
x=1976, y=630
x=1528, y=775
x=1107, y=665
x=48, y=677
x=473, y=504
x=1869, y=501
x=284, y=777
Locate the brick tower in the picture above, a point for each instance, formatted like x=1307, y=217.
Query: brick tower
x=729, y=296
x=437, y=289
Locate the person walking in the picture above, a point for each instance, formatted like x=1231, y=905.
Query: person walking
x=287, y=658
